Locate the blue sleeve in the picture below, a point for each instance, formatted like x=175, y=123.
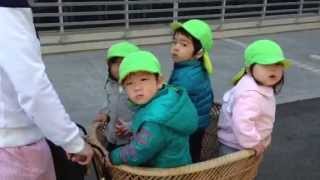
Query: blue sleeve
x=142, y=148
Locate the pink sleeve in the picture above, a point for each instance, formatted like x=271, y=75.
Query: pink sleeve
x=246, y=111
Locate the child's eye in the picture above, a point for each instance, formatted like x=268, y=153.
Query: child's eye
x=128, y=83
x=144, y=79
x=184, y=45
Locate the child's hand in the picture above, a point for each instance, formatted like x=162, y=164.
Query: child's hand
x=259, y=149
x=101, y=117
x=122, y=128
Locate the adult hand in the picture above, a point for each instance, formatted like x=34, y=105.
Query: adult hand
x=83, y=157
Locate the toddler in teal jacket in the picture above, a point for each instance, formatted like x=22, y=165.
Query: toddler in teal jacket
x=164, y=120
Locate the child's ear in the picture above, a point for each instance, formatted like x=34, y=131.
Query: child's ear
x=199, y=54
x=160, y=82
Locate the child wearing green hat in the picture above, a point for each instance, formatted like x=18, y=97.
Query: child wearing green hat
x=192, y=43
x=248, y=110
x=116, y=108
x=164, y=119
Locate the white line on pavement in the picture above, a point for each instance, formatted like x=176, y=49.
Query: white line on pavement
x=314, y=57
x=296, y=63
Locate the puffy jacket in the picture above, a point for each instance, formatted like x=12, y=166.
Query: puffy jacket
x=117, y=107
x=161, y=130
x=191, y=75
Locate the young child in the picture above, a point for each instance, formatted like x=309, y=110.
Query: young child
x=248, y=110
x=164, y=119
x=116, y=106
x=192, y=42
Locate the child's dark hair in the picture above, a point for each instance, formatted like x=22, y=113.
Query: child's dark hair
x=196, y=43
x=276, y=88
x=109, y=62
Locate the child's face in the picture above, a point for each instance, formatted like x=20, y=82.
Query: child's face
x=182, y=48
x=268, y=75
x=114, y=68
x=142, y=86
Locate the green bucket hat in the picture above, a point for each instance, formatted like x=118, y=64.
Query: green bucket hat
x=139, y=61
x=262, y=52
x=121, y=49
x=201, y=31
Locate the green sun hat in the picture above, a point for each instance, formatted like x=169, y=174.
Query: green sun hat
x=139, y=61
x=121, y=49
x=201, y=31
x=265, y=52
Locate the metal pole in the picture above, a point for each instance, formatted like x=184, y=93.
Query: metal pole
x=264, y=9
x=175, y=10
x=300, y=10
x=31, y=2
x=127, y=18
x=264, y=12
x=223, y=12
x=60, y=10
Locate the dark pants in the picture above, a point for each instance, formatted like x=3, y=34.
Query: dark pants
x=195, y=144
x=65, y=168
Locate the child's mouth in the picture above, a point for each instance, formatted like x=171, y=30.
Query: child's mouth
x=272, y=76
x=139, y=96
x=174, y=56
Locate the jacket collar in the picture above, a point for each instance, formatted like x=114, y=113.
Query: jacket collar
x=191, y=62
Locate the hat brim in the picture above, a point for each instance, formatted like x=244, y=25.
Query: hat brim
x=176, y=25
x=287, y=63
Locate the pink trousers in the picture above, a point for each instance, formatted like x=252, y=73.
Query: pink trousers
x=30, y=162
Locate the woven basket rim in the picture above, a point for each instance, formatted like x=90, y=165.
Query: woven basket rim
x=188, y=169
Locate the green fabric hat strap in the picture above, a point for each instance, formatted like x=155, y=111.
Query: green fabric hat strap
x=207, y=63
x=238, y=76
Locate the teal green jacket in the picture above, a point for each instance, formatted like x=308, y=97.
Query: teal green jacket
x=161, y=130
x=191, y=75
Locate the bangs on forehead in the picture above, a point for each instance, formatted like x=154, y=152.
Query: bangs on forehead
x=183, y=32
x=184, y=39
x=117, y=58
x=145, y=72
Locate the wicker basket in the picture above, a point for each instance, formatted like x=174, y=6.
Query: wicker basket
x=242, y=165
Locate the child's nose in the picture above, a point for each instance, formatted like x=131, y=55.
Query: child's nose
x=175, y=48
x=137, y=87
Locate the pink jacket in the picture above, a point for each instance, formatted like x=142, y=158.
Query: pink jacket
x=247, y=115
